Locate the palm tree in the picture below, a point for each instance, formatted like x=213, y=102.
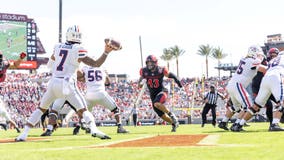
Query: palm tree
x=218, y=54
x=177, y=52
x=205, y=50
x=167, y=56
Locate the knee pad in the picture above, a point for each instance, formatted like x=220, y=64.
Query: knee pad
x=279, y=108
x=159, y=112
x=52, y=118
x=233, y=109
x=252, y=110
x=116, y=111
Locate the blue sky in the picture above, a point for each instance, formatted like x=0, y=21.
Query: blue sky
x=231, y=25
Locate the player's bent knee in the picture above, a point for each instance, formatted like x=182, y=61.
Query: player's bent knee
x=254, y=109
x=80, y=112
x=279, y=109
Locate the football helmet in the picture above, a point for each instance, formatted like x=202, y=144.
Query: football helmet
x=255, y=51
x=73, y=34
x=151, y=62
x=273, y=52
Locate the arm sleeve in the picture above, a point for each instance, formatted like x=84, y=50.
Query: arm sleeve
x=171, y=75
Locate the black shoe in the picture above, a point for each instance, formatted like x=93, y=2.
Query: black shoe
x=237, y=128
x=19, y=140
x=101, y=136
x=76, y=130
x=174, y=127
x=47, y=133
x=4, y=126
x=223, y=125
x=122, y=130
x=214, y=124
x=174, y=119
x=18, y=130
x=233, y=125
x=87, y=130
x=275, y=127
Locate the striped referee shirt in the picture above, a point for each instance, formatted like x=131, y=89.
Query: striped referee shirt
x=212, y=97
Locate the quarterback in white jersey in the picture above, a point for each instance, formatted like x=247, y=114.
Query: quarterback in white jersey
x=67, y=57
x=96, y=79
x=272, y=83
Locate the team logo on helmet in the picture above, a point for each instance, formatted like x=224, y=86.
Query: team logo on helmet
x=73, y=34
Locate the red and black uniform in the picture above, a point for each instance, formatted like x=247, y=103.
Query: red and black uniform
x=3, y=69
x=154, y=80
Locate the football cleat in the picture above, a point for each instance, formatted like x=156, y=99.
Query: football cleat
x=122, y=130
x=214, y=124
x=174, y=119
x=223, y=125
x=4, y=126
x=46, y=133
x=237, y=128
x=275, y=127
x=174, y=128
x=101, y=135
x=21, y=138
x=76, y=130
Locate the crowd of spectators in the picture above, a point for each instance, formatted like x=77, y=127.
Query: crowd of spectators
x=22, y=93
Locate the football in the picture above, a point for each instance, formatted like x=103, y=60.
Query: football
x=116, y=45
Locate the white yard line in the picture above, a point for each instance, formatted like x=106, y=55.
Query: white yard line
x=212, y=140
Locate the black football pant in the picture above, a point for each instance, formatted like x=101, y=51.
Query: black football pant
x=206, y=109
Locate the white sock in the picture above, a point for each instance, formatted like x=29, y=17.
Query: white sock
x=26, y=129
x=89, y=118
x=35, y=117
x=238, y=120
x=275, y=120
x=225, y=119
x=50, y=127
x=242, y=122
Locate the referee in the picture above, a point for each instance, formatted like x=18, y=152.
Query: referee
x=210, y=101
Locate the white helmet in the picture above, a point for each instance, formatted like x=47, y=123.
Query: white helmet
x=255, y=51
x=73, y=34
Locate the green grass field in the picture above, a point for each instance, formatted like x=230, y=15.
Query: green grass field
x=255, y=143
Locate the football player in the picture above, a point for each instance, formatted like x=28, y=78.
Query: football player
x=67, y=58
x=236, y=88
x=272, y=83
x=154, y=76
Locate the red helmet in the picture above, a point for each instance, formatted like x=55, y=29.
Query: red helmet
x=153, y=60
x=271, y=51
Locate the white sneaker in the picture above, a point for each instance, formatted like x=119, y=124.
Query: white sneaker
x=100, y=135
x=22, y=137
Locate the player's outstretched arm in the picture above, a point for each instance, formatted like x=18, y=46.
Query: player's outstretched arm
x=108, y=48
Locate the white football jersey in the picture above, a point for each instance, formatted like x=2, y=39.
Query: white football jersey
x=276, y=63
x=95, y=78
x=66, y=59
x=246, y=70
